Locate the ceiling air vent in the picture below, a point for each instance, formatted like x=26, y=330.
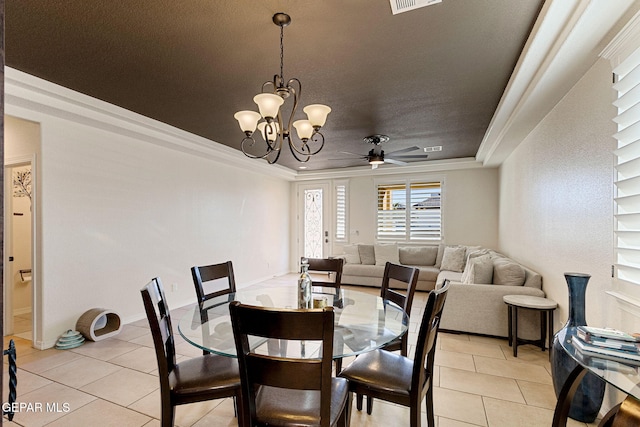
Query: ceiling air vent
x=399, y=6
x=432, y=149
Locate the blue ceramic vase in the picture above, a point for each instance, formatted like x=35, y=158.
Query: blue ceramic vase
x=588, y=397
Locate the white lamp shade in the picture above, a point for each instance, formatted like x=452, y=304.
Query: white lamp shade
x=304, y=129
x=317, y=114
x=247, y=120
x=268, y=104
x=269, y=133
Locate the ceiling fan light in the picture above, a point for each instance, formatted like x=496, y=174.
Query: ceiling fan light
x=268, y=104
x=247, y=120
x=269, y=131
x=317, y=114
x=304, y=129
x=376, y=160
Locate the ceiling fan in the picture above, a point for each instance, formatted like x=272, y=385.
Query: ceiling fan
x=395, y=157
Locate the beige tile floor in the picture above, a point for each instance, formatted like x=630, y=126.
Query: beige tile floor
x=114, y=383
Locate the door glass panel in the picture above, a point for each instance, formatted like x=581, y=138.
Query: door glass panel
x=313, y=223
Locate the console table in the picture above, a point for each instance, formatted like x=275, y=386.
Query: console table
x=625, y=378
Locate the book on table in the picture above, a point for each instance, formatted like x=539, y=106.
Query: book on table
x=590, y=332
x=613, y=343
x=584, y=348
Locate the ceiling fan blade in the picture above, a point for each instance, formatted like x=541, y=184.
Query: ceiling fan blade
x=353, y=154
x=404, y=150
x=412, y=156
x=395, y=162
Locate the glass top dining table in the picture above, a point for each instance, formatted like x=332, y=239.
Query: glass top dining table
x=363, y=322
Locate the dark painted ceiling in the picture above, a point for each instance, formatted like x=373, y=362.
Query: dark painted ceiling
x=428, y=77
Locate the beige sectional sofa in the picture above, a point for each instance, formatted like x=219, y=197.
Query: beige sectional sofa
x=479, y=277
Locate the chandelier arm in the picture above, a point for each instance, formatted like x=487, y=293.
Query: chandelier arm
x=297, y=92
x=317, y=137
x=295, y=150
x=275, y=159
x=253, y=141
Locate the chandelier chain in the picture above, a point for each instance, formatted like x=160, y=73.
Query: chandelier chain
x=282, y=53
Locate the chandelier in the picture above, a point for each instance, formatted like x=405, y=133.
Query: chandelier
x=269, y=122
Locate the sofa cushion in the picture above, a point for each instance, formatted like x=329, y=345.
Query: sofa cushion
x=467, y=266
x=363, y=270
x=386, y=252
x=351, y=254
x=367, y=255
x=453, y=258
x=480, y=270
x=418, y=256
x=427, y=273
x=507, y=272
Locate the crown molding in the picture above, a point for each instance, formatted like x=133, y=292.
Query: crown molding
x=31, y=98
x=563, y=45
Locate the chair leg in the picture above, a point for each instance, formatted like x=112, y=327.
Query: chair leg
x=167, y=418
x=429, y=402
x=369, y=405
x=414, y=416
x=359, y=401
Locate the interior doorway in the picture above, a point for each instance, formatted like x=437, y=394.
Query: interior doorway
x=18, y=251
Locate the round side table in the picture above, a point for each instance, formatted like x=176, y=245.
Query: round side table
x=544, y=305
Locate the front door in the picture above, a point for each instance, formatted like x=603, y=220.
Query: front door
x=314, y=220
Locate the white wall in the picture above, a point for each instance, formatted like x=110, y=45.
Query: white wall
x=556, y=197
x=470, y=206
x=116, y=211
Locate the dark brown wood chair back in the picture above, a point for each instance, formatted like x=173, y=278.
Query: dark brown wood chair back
x=425, y=347
x=257, y=369
x=208, y=273
x=155, y=306
x=332, y=266
x=404, y=298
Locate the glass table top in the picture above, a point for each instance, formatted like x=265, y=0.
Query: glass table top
x=363, y=322
x=624, y=377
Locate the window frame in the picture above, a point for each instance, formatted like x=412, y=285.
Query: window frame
x=411, y=234
x=336, y=211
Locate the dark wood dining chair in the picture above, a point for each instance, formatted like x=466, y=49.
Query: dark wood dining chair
x=289, y=391
x=193, y=380
x=210, y=273
x=396, y=378
x=397, y=275
x=408, y=276
x=331, y=266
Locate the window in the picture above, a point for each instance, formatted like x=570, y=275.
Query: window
x=627, y=171
x=341, y=212
x=409, y=211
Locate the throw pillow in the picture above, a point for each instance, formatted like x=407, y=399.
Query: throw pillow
x=421, y=255
x=453, y=258
x=439, y=256
x=480, y=271
x=386, y=252
x=367, y=255
x=351, y=254
x=507, y=272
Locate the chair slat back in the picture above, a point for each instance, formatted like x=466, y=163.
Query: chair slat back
x=207, y=273
x=159, y=317
x=404, y=274
x=278, y=371
x=427, y=336
x=328, y=265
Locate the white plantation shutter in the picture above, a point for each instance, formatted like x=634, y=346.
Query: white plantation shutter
x=341, y=212
x=409, y=211
x=627, y=171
